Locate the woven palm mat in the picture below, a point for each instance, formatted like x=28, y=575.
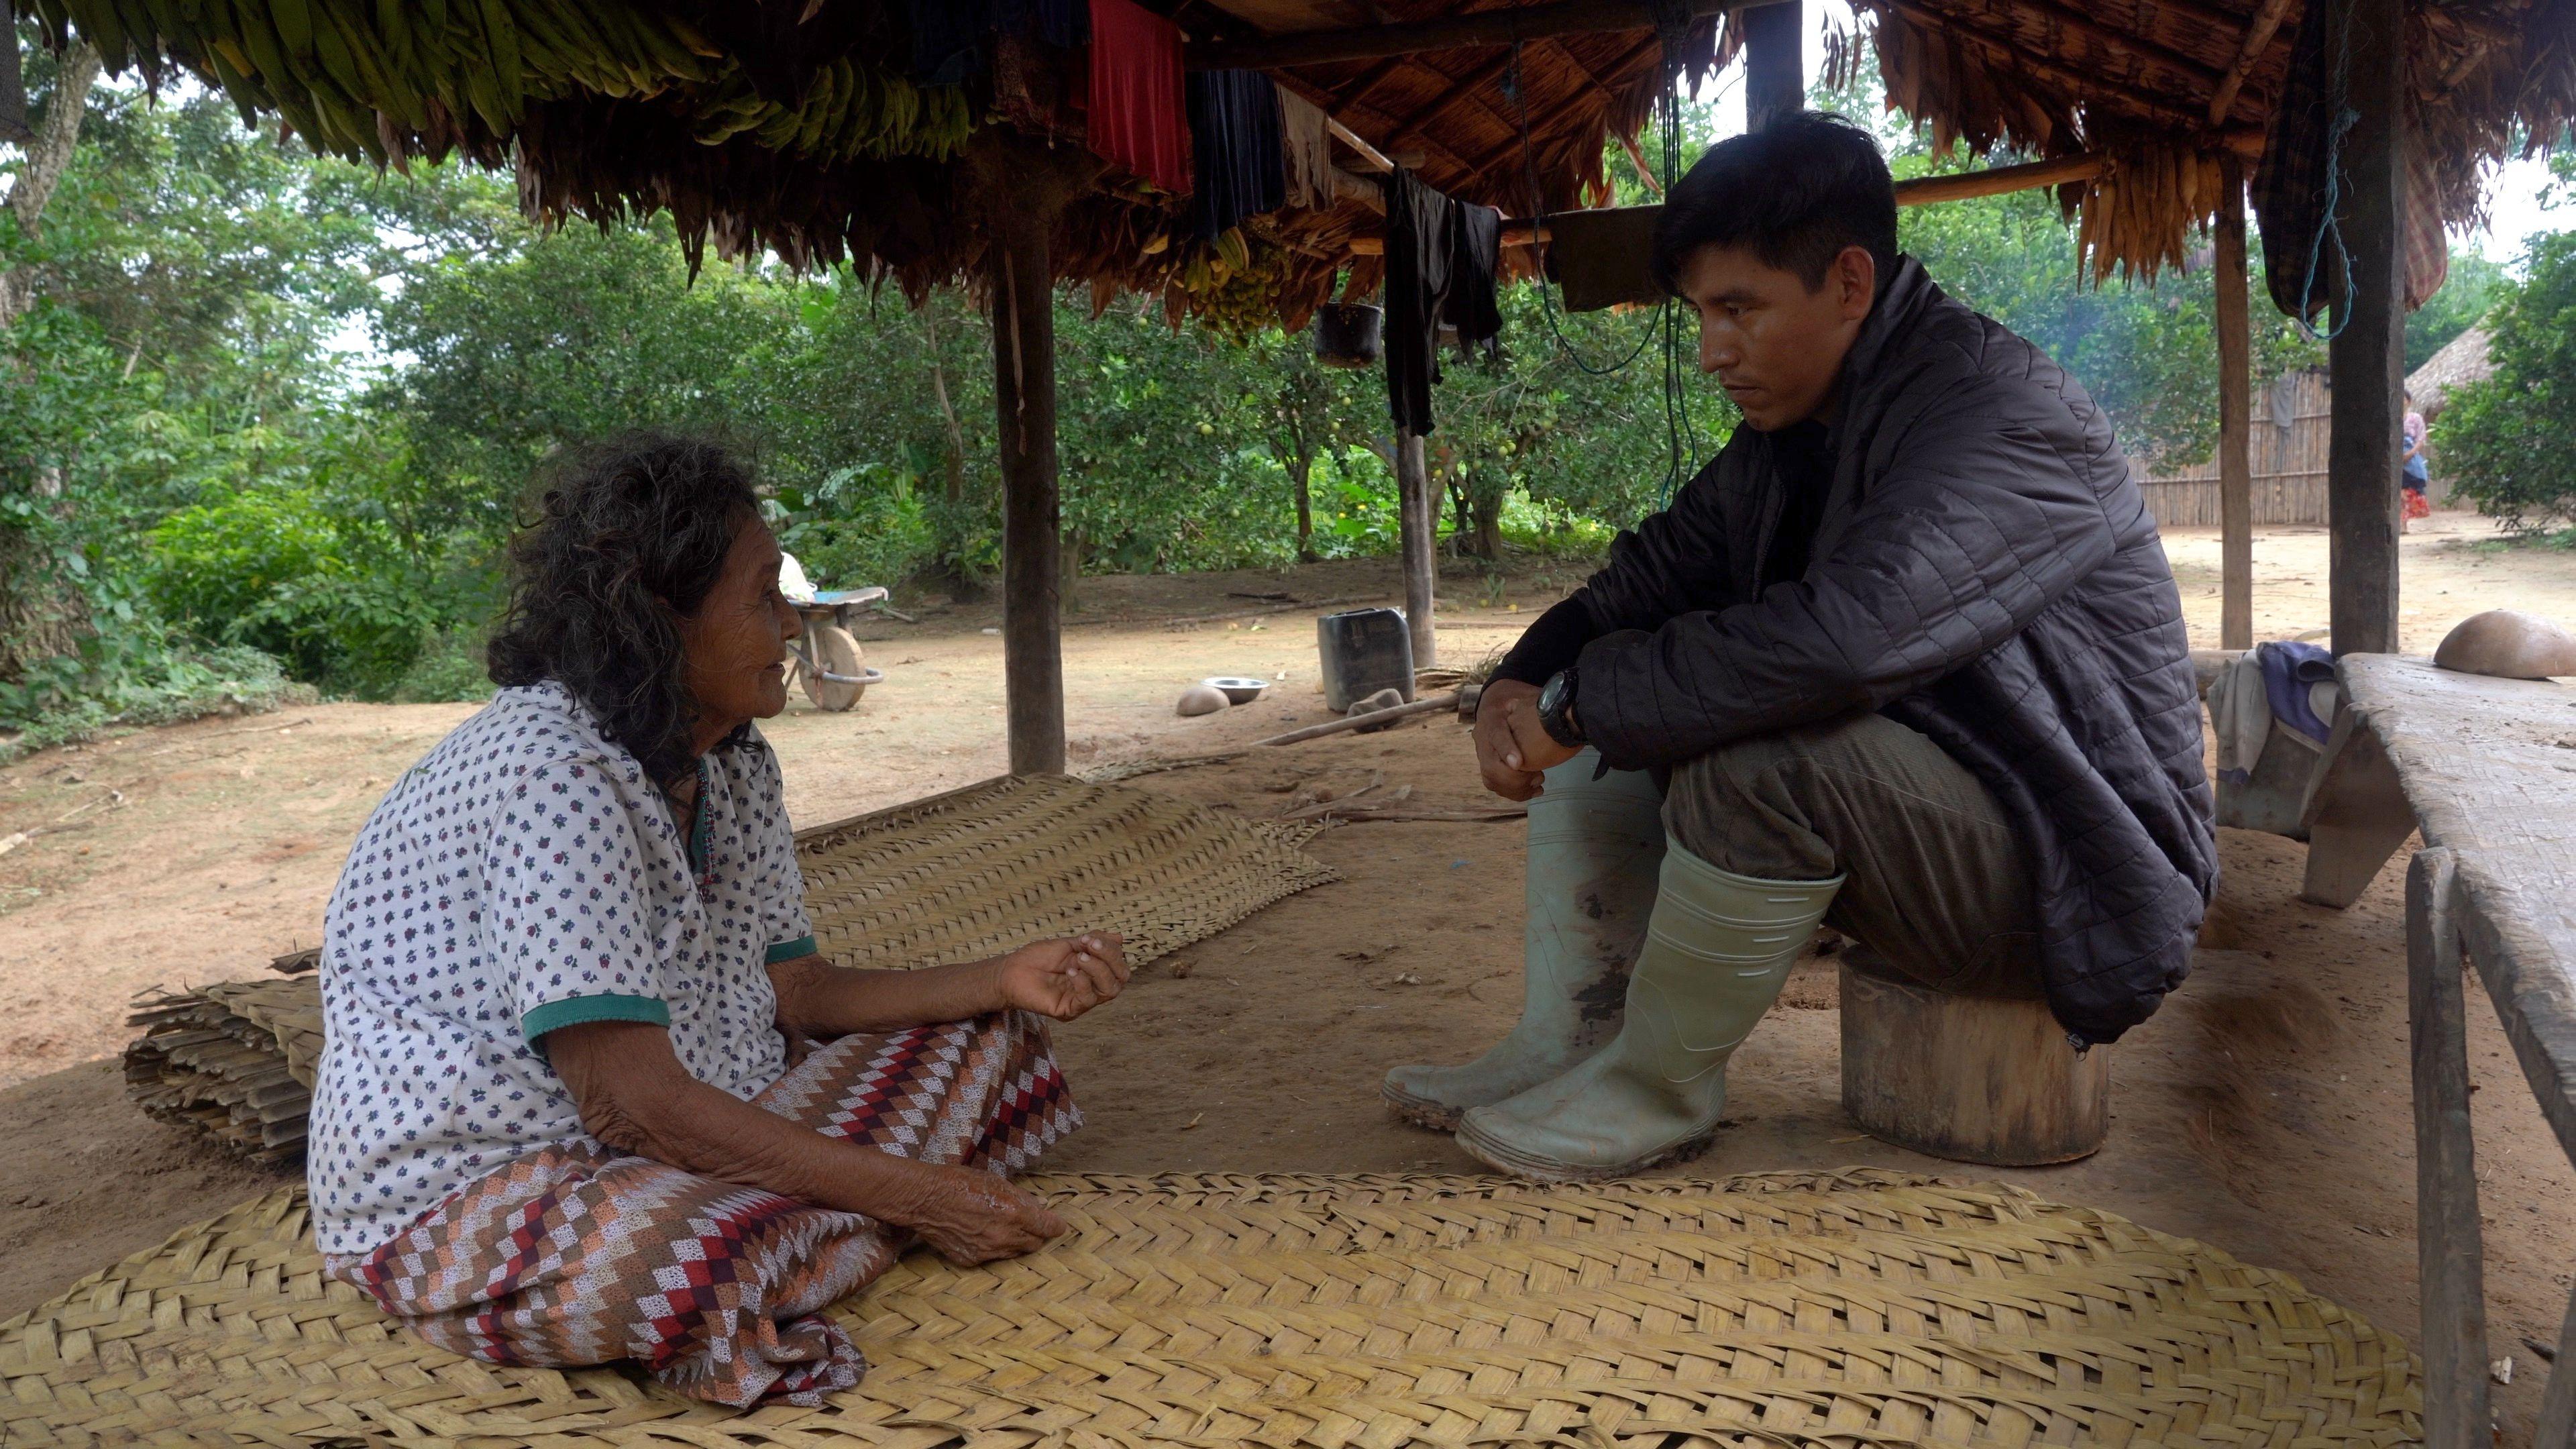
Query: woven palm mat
x=1861, y=1308
x=956, y=877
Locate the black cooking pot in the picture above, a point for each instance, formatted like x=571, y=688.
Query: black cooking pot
x=1349, y=334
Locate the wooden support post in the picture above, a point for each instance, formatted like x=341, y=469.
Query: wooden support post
x=2235, y=417
x=1418, y=519
x=1775, y=70
x=2449, y=1256
x=2368, y=357
x=1026, y=187
x=2557, y=1427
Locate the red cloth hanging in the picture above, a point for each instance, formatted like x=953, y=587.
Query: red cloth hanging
x=1137, y=116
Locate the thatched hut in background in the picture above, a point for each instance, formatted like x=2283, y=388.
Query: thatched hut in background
x=2462, y=360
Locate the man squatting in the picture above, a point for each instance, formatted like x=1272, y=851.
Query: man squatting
x=1906, y=659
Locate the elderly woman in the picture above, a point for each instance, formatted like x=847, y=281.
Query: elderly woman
x=570, y=1106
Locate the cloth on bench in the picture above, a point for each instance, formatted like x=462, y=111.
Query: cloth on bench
x=2281, y=682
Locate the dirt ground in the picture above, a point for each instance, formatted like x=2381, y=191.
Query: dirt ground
x=2265, y=1109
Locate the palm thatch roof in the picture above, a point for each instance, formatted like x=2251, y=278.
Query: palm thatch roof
x=795, y=126
x=2461, y=361
x=2165, y=88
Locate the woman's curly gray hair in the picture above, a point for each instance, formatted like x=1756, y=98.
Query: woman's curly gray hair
x=628, y=538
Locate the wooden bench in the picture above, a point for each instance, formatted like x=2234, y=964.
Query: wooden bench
x=2486, y=768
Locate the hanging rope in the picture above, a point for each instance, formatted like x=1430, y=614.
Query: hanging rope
x=2328, y=224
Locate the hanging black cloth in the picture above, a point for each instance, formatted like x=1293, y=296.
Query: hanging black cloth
x=1418, y=250
x=1234, y=143
x=1475, y=249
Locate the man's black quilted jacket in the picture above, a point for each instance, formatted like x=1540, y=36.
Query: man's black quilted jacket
x=1986, y=573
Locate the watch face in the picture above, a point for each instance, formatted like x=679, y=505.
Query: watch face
x=1550, y=696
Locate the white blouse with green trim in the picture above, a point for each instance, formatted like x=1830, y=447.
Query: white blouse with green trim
x=523, y=877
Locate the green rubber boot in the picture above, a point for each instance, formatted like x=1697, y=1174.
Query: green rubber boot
x=1718, y=949
x=1594, y=847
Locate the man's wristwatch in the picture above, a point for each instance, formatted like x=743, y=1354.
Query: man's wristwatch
x=1556, y=709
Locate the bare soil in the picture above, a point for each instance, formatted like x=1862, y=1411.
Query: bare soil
x=2265, y=1109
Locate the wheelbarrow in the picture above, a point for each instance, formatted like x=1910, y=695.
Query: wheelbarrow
x=826, y=657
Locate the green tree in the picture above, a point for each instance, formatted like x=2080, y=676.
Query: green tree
x=2466, y=293
x=2510, y=441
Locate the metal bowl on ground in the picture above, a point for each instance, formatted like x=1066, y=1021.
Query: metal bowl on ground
x=1237, y=691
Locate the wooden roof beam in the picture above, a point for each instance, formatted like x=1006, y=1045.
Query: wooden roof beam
x=1997, y=180
x=1455, y=32
x=1479, y=165
x=1448, y=100
x=2258, y=38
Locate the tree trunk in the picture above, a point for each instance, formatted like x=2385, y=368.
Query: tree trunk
x=42, y=614
x=47, y=156
x=962, y=583
x=1486, y=525
x=1418, y=520
x=1297, y=471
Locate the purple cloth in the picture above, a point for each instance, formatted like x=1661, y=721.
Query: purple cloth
x=2289, y=670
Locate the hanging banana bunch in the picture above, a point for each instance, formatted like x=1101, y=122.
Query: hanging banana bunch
x=351, y=76
x=852, y=108
x=1232, y=284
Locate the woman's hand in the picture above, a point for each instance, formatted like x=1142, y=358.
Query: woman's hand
x=969, y=1216
x=1064, y=979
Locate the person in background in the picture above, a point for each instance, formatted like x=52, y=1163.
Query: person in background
x=2417, y=475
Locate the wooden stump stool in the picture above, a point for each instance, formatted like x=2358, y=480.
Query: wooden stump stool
x=1974, y=1079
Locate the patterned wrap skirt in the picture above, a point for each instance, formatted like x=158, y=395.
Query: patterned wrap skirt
x=577, y=1256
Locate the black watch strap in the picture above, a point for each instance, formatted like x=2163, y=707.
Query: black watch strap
x=1556, y=709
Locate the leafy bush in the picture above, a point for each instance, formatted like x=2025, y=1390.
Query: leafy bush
x=137, y=673
x=449, y=668
x=861, y=525
x=1552, y=531
x=2510, y=442
x=271, y=567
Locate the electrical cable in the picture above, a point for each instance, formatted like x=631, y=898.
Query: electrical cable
x=1538, y=217
x=1664, y=324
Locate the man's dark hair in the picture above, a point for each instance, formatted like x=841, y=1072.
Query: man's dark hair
x=1794, y=193
x=628, y=538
